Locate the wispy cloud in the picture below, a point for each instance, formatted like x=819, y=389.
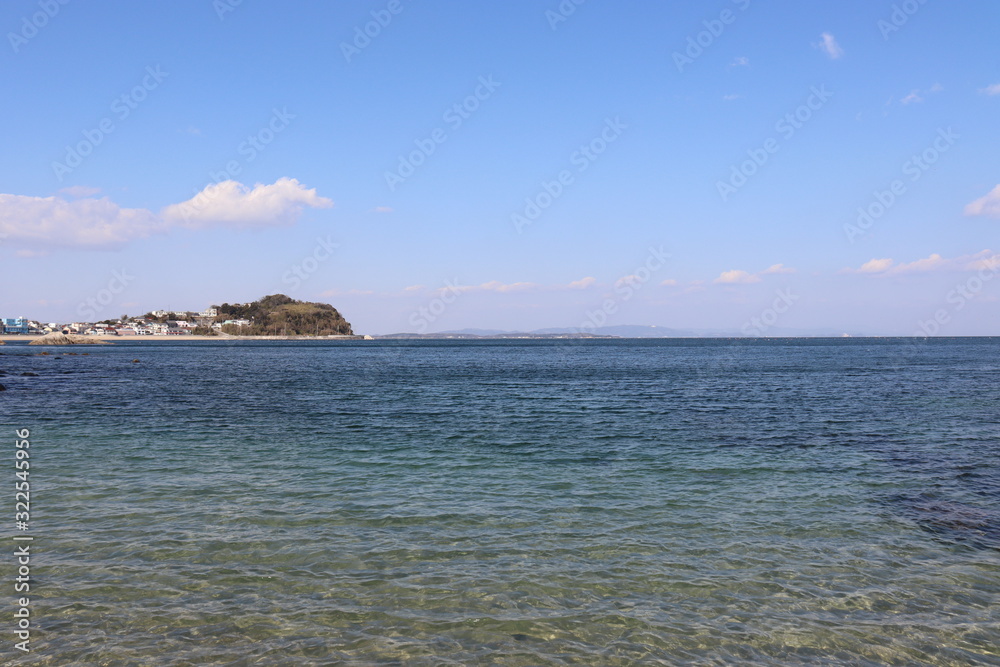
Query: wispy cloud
x=740, y=277
x=916, y=95
x=875, y=265
x=828, y=45
x=382, y=209
x=934, y=262
x=77, y=191
x=988, y=206
x=495, y=286
x=583, y=283
x=736, y=277
x=740, y=61
x=992, y=89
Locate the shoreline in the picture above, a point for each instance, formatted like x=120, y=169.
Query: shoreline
x=27, y=338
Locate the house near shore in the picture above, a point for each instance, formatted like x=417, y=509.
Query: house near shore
x=14, y=325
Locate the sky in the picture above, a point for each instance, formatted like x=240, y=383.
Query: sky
x=427, y=166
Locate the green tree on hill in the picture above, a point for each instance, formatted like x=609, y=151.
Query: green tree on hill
x=278, y=314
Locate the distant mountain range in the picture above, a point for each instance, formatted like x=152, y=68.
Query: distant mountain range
x=625, y=331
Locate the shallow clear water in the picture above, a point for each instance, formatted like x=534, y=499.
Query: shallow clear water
x=513, y=502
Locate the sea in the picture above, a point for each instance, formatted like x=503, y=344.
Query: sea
x=506, y=502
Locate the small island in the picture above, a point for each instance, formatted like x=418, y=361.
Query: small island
x=279, y=315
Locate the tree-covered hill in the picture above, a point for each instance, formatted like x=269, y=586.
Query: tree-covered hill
x=280, y=315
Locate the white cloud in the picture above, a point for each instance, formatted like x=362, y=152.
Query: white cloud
x=232, y=204
x=740, y=277
x=736, y=277
x=992, y=89
x=382, y=209
x=630, y=279
x=988, y=205
x=669, y=282
x=740, y=61
x=85, y=223
x=917, y=95
x=91, y=223
x=493, y=286
x=583, y=283
x=875, y=265
x=829, y=46
x=78, y=191
x=730, y=98
x=984, y=259
x=931, y=263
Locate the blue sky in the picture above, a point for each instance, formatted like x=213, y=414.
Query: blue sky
x=511, y=165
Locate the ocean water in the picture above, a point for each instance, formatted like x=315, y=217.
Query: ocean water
x=510, y=502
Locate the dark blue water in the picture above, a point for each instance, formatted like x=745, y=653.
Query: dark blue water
x=516, y=503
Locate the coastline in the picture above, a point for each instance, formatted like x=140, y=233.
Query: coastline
x=27, y=338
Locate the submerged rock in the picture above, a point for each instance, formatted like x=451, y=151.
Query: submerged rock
x=954, y=521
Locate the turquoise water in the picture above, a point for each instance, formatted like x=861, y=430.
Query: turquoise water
x=512, y=503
